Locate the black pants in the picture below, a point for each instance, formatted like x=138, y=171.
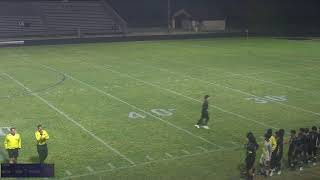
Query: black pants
x=250, y=159
x=42, y=152
x=203, y=121
x=273, y=160
x=278, y=163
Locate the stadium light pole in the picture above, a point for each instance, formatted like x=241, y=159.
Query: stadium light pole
x=169, y=15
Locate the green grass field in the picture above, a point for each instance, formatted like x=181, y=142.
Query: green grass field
x=127, y=110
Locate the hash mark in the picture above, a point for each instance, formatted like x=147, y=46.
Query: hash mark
x=111, y=166
x=169, y=155
x=203, y=149
x=149, y=158
x=68, y=173
x=90, y=169
x=185, y=151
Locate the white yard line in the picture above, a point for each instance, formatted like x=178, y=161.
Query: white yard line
x=271, y=82
x=135, y=107
x=293, y=74
x=149, y=162
x=265, y=81
x=70, y=119
x=233, y=89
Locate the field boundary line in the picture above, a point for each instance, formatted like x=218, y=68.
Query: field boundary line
x=187, y=97
x=135, y=107
x=233, y=89
x=70, y=119
x=150, y=162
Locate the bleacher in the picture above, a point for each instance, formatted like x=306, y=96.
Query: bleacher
x=20, y=19
x=21, y=26
x=39, y=18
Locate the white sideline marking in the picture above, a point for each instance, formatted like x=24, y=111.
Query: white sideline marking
x=111, y=166
x=90, y=169
x=146, y=163
x=236, y=90
x=169, y=155
x=185, y=151
x=70, y=119
x=190, y=98
x=203, y=149
x=135, y=107
x=149, y=158
x=68, y=173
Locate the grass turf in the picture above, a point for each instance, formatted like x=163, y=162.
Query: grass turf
x=84, y=94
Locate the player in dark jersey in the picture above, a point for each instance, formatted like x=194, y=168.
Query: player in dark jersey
x=301, y=149
x=292, y=149
x=203, y=121
x=279, y=150
x=251, y=149
x=313, y=145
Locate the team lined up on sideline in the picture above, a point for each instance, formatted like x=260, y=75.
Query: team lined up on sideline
x=303, y=149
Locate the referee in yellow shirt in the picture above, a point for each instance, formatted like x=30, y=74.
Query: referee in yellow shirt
x=42, y=137
x=12, y=143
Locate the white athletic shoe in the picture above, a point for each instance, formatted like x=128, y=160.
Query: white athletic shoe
x=271, y=173
x=301, y=168
x=205, y=127
x=314, y=164
x=279, y=172
x=197, y=126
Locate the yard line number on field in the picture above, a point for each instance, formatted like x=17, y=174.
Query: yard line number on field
x=268, y=99
x=159, y=112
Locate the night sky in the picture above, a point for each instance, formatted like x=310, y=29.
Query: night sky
x=240, y=13
x=260, y=15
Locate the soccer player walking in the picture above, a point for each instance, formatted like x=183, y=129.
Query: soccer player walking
x=203, y=121
x=12, y=143
x=42, y=137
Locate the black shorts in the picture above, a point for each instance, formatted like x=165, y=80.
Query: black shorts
x=250, y=159
x=13, y=153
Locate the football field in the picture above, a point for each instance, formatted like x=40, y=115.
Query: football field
x=127, y=110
